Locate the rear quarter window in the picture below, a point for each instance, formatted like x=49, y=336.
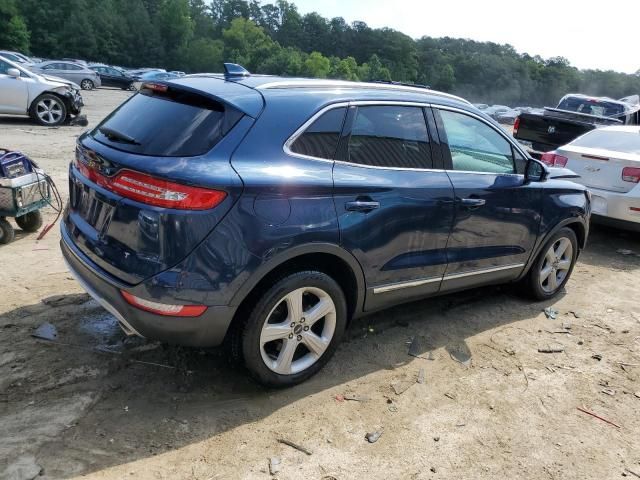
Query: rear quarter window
x=175, y=123
x=320, y=140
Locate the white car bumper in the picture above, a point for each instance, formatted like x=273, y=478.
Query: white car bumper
x=623, y=207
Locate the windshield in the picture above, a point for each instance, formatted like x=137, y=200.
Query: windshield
x=172, y=123
x=618, y=141
x=591, y=106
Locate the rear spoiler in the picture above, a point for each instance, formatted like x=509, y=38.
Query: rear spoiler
x=560, y=173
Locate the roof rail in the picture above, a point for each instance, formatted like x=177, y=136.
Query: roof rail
x=402, y=84
x=233, y=70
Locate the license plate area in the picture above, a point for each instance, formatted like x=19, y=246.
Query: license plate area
x=92, y=207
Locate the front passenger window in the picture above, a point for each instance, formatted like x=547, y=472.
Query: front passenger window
x=475, y=146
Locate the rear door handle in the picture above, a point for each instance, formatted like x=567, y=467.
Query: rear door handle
x=361, y=206
x=472, y=203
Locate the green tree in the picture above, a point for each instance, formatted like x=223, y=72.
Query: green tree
x=317, y=65
x=14, y=34
x=202, y=55
x=247, y=44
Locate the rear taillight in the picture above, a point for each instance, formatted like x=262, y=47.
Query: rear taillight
x=154, y=191
x=516, y=125
x=554, y=160
x=631, y=174
x=163, y=308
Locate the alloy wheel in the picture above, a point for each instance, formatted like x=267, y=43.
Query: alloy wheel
x=49, y=110
x=298, y=330
x=87, y=85
x=556, y=265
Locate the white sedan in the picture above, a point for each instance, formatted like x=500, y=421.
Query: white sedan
x=608, y=162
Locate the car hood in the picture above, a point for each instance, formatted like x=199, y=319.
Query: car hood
x=68, y=83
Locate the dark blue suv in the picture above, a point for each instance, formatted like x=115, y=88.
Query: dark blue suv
x=267, y=212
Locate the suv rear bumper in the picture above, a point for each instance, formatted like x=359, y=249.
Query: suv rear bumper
x=207, y=330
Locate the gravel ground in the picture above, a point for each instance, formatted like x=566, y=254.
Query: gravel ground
x=97, y=405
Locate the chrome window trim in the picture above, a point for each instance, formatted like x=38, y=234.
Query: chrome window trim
x=287, y=144
x=423, y=281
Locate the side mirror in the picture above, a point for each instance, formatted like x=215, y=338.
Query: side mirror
x=535, y=171
x=13, y=72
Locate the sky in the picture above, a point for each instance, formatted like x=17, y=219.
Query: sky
x=591, y=34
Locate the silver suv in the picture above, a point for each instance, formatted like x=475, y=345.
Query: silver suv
x=74, y=72
x=48, y=100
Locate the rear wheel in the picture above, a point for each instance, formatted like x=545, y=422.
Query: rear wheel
x=48, y=110
x=6, y=232
x=87, y=84
x=30, y=222
x=294, y=329
x=552, y=269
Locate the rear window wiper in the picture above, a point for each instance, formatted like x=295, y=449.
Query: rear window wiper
x=115, y=135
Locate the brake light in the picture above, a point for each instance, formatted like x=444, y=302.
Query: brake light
x=163, y=308
x=154, y=191
x=554, y=160
x=162, y=193
x=631, y=174
x=516, y=125
x=156, y=87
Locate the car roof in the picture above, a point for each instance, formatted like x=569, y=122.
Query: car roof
x=336, y=90
x=621, y=128
x=62, y=61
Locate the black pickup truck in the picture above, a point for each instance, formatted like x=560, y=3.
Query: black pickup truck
x=575, y=114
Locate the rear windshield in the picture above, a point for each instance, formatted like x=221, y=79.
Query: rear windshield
x=627, y=142
x=591, y=106
x=174, y=123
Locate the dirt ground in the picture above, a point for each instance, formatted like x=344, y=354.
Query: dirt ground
x=94, y=405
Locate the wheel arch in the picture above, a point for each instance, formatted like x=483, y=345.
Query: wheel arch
x=324, y=257
x=63, y=99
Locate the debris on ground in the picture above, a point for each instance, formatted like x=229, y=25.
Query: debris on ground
x=417, y=347
x=373, y=437
x=624, y=251
x=401, y=386
x=460, y=353
x=357, y=398
x=596, y=356
x=556, y=349
x=632, y=472
x=62, y=300
x=421, y=376
x=46, y=331
x=574, y=313
x=566, y=325
x=583, y=410
x=339, y=398
x=450, y=395
x=551, y=313
x=295, y=445
x=392, y=405
x=274, y=465
x=609, y=391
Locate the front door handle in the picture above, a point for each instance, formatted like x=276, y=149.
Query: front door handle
x=361, y=206
x=472, y=203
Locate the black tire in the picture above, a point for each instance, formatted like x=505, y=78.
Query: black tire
x=87, y=84
x=6, y=232
x=247, y=335
x=532, y=285
x=57, y=117
x=131, y=87
x=30, y=222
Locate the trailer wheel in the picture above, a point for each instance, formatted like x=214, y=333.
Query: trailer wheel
x=30, y=222
x=6, y=232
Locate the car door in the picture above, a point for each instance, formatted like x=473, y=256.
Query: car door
x=497, y=213
x=14, y=95
x=75, y=73
x=394, y=206
x=55, y=70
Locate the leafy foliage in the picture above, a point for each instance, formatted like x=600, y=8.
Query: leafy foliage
x=274, y=38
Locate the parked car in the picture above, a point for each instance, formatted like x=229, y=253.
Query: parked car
x=113, y=77
x=49, y=101
x=575, y=115
x=481, y=106
x=141, y=71
x=83, y=76
x=508, y=117
x=16, y=57
x=153, y=77
x=608, y=162
x=267, y=212
x=495, y=110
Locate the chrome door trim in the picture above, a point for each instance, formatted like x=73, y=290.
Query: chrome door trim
x=454, y=276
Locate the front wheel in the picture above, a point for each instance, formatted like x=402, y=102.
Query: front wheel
x=294, y=329
x=553, y=266
x=48, y=110
x=87, y=84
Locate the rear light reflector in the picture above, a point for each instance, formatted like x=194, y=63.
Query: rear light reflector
x=163, y=308
x=631, y=174
x=154, y=191
x=634, y=209
x=516, y=125
x=554, y=160
x=156, y=87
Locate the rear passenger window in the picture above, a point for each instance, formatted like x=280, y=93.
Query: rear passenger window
x=390, y=136
x=475, y=146
x=320, y=140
